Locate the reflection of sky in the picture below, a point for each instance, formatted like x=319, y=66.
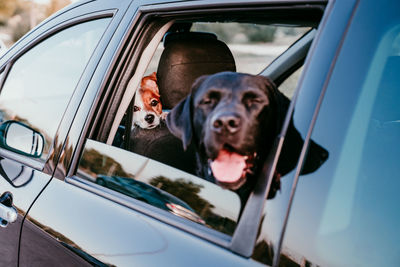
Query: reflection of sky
x=226, y=202
x=41, y=82
x=345, y=214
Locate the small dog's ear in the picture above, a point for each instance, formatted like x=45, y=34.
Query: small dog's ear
x=150, y=82
x=179, y=121
x=153, y=76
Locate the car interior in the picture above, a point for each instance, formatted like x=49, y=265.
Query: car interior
x=202, y=53
x=179, y=50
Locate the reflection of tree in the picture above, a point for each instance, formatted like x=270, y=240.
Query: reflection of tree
x=264, y=252
x=97, y=163
x=186, y=191
x=189, y=193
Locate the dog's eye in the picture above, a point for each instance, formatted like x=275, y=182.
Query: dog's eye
x=210, y=99
x=250, y=99
x=135, y=108
x=154, y=103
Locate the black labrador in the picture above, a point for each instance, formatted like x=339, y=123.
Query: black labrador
x=232, y=120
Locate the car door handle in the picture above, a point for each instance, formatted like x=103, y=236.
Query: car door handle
x=8, y=214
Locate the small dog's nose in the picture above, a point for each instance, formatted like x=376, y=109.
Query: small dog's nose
x=230, y=122
x=149, y=118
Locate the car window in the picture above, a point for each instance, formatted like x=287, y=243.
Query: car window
x=152, y=157
x=347, y=211
x=41, y=82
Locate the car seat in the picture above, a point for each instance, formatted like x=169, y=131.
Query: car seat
x=186, y=56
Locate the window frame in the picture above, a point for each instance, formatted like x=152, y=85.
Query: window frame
x=246, y=229
x=35, y=163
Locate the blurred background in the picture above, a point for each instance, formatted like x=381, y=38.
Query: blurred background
x=253, y=46
x=17, y=17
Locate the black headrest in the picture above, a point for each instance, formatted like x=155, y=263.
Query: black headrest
x=187, y=56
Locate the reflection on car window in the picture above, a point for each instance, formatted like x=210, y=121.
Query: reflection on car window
x=41, y=82
x=159, y=185
x=348, y=210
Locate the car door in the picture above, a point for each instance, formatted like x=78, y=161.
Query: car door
x=351, y=204
x=39, y=76
x=126, y=225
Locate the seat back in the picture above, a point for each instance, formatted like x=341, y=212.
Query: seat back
x=187, y=56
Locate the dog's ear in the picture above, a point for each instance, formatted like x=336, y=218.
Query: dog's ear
x=280, y=103
x=316, y=154
x=315, y=157
x=179, y=121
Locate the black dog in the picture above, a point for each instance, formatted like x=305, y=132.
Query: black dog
x=232, y=119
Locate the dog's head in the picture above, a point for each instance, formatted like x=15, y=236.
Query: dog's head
x=147, y=108
x=232, y=119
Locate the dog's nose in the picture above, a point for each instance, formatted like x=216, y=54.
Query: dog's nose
x=149, y=118
x=230, y=122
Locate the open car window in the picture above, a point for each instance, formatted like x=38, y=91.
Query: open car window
x=141, y=162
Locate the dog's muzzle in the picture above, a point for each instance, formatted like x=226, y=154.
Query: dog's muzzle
x=231, y=169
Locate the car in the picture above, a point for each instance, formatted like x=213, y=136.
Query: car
x=3, y=48
x=149, y=194
x=66, y=91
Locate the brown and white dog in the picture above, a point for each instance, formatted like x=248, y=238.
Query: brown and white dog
x=147, y=110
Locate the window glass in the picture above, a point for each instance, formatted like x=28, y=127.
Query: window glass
x=346, y=213
x=157, y=184
x=41, y=82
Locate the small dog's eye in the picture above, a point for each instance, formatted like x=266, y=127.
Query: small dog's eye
x=154, y=103
x=207, y=101
x=135, y=108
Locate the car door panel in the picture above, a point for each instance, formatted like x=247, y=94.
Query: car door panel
x=93, y=225
x=23, y=196
x=38, y=245
x=353, y=200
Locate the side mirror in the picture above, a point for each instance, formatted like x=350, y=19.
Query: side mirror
x=22, y=139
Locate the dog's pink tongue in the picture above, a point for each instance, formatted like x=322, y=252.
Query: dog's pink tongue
x=228, y=166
